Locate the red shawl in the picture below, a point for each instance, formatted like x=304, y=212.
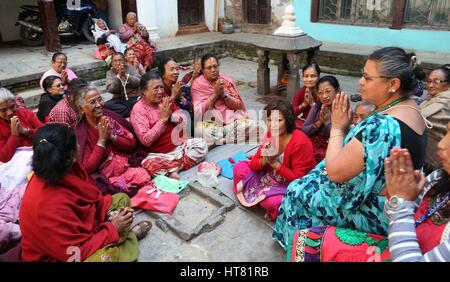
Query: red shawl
x=56, y=218
x=8, y=142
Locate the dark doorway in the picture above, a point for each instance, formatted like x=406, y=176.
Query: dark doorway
x=128, y=6
x=190, y=12
x=257, y=11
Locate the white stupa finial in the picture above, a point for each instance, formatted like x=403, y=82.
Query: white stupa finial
x=289, y=27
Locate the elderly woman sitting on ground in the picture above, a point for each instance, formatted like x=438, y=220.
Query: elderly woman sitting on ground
x=64, y=217
x=17, y=126
x=106, y=146
x=219, y=110
x=60, y=69
x=137, y=37
x=122, y=80
x=161, y=128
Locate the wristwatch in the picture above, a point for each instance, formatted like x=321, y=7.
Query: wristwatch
x=394, y=202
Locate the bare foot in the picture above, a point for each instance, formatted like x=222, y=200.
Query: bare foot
x=141, y=229
x=174, y=175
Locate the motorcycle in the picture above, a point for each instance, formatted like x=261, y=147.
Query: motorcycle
x=71, y=19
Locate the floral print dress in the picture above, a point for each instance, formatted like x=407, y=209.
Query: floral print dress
x=315, y=200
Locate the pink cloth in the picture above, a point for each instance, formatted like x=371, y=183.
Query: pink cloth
x=202, y=89
x=9, y=214
x=270, y=204
x=70, y=76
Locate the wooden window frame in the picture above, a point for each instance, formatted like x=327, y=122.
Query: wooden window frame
x=397, y=15
x=244, y=4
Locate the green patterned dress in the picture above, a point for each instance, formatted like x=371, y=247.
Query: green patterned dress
x=314, y=200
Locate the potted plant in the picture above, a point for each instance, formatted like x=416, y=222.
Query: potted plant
x=227, y=26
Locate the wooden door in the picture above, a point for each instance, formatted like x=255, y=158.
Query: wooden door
x=258, y=11
x=128, y=6
x=190, y=12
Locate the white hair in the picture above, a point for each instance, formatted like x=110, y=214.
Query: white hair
x=365, y=104
x=83, y=92
x=131, y=14
x=6, y=95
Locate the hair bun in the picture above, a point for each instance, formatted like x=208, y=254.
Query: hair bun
x=415, y=61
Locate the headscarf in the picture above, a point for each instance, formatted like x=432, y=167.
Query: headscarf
x=98, y=32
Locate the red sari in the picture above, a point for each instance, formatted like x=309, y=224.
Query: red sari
x=110, y=165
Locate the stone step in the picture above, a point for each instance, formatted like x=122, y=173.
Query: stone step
x=32, y=96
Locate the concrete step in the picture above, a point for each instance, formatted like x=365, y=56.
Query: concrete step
x=32, y=96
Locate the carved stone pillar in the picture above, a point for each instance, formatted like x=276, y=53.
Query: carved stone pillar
x=294, y=76
x=263, y=73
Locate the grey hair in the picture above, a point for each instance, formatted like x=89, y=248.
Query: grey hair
x=83, y=92
x=365, y=104
x=394, y=62
x=6, y=95
x=131, y=14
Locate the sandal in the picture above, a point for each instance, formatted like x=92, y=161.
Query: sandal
x=141, y=229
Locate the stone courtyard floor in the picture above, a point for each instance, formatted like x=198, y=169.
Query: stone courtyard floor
x=239, y=234
x=208, y=224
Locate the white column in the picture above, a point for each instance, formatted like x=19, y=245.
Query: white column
x=147, y=16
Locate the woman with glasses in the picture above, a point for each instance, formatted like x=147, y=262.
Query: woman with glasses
x=219, y=110
x=106, y=147
x=59, y=69
x=347, y=189
x=54, y=92
x=418, y=210
x=318, y=123
x=436, y=108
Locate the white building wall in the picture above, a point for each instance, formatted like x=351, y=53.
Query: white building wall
x=167, y=17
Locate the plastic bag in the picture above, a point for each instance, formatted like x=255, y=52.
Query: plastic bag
x=207, y=174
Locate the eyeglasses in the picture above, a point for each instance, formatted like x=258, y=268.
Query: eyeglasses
x=366, y=77
x=94, y=102
x=212, y=67
x=436, y=81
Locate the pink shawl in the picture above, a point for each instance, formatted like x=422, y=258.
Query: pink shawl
x=202, y=89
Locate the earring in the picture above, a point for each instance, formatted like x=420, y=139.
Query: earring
x=392, y=90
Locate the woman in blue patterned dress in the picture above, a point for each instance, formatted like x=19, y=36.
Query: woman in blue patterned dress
x=347, y=189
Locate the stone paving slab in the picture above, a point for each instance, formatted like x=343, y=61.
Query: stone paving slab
x=192, y=225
